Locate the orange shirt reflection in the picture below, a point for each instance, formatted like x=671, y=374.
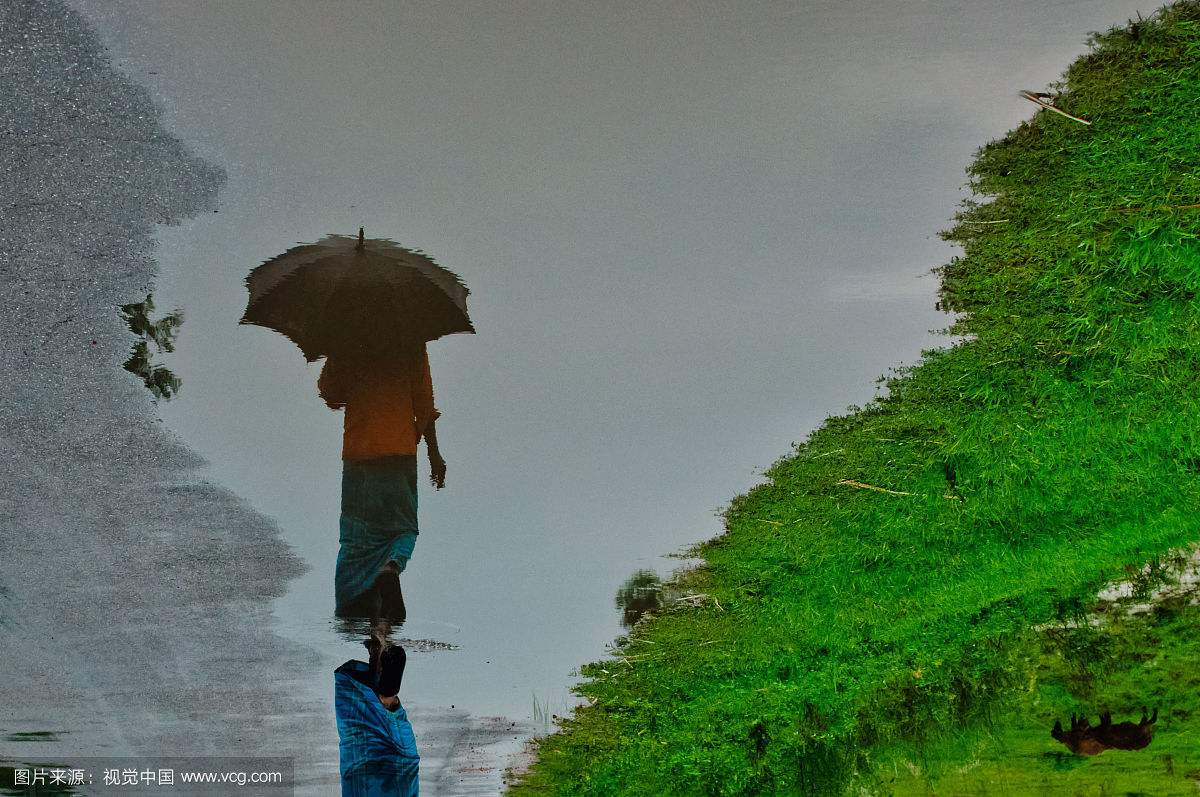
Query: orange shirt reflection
x=388, y=402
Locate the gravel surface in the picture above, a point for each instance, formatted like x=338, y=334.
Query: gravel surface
x=135, y=596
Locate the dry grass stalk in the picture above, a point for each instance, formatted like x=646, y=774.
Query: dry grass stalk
x=1039, y=98
x=865, y=486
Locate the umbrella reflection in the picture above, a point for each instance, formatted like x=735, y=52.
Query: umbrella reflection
x=342, y=294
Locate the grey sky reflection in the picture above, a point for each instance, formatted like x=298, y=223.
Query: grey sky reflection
x=691, y=231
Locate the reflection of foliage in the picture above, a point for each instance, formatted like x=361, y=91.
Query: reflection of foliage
x=1159, y=571
x=1085, y=653
x=32, y=736
x=641, y=593
x=160, y=380
x=1132, y=658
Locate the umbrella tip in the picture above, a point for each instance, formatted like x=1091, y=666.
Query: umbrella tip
x=360, y=238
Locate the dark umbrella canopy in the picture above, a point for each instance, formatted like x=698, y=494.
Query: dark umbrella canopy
x=343, y=294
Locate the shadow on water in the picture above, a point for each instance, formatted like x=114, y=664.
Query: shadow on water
x=158, y=378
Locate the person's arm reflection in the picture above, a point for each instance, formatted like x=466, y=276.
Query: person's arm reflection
x=426, y=415
x=331, y=384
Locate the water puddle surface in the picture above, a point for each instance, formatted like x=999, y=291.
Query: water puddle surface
x=689, y=237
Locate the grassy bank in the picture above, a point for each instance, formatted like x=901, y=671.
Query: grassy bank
x=1122, y=659
x=835, y=624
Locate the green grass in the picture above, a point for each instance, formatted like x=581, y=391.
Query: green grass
x=1055, y=447
x=1120, y=664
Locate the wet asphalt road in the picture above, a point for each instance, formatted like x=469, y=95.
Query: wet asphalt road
x=135, y=596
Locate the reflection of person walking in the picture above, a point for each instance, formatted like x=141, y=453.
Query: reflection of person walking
x=389, y=407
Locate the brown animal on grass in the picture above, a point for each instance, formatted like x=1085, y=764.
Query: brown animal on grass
x=1083, y=739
